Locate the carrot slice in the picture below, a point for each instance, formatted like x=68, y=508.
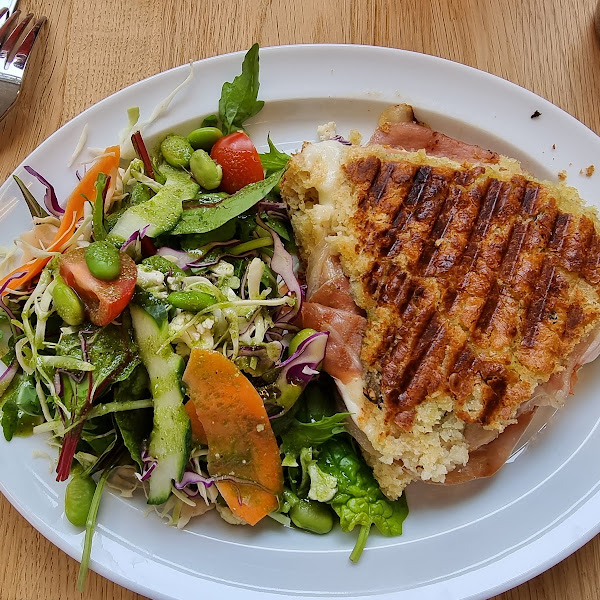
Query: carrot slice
x=197, y=430
x=73, y=213
x=241, y=443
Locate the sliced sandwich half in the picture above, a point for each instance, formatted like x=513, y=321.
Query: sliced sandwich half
x=459, y=292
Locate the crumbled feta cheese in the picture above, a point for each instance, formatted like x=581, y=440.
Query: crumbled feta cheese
x=326, y=131
x=184, y=330
x=149, y=278
x=151, y=281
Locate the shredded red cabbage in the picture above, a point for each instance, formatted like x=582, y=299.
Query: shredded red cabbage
x=9, y=372
x=50, y=199
x=283, y=264
x=193, y=478
x=136, y=236
x=150, y=463
x=183, y=258
x=341, y=140
x=301, y=367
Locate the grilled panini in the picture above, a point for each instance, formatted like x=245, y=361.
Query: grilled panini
x=458, y=296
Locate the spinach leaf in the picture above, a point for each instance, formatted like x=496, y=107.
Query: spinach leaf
x=113, y=353
x=135, y=425
x=239, y=98
x=318, y=400
x=111, y=350
x=273, y=160
x=306, y=435
x=359, y=500
x=205, y=219
x=279, y=228
x=100, y=435
x=10, y=419
x=221, y=234
x=21, y=408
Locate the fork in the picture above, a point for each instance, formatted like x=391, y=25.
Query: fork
x=17, y=39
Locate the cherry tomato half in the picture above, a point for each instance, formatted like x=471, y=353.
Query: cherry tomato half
x=104, y=300
x=239, y=160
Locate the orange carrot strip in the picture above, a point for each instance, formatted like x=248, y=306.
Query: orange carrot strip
x=73, y=213
x=197, y=430
x=241, y=442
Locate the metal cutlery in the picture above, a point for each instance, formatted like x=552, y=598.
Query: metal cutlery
x=17, y=39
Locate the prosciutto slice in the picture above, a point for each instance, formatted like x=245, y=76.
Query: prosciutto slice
x=399, y=129
x=330, y=307
x=489, y=458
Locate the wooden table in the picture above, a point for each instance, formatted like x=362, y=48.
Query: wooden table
x=96, y=48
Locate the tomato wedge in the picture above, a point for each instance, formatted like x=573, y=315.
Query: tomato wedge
x=104, y=300
x=239, y=160
x=241, y=443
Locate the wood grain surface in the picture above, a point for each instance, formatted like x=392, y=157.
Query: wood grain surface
x=94, y=48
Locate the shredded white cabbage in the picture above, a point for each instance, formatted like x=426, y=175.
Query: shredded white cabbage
x=80, y=145
x=133, y=116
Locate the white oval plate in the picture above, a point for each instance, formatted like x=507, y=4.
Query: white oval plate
x=469, y=541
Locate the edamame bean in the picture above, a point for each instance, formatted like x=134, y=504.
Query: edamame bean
x=205, y=170
x=78, y=499
x=67, y=304
x=312, y=516
x=204, y=138
x=193, y=301
x=302, y=335
x=176, y=150
x=103, y=260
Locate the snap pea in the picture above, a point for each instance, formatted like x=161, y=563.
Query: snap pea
x=67, y=304
x=78, y=499
x=192, y=300
x=176, y=150
x=302, y=335
x=103, y=260
x=312, y=516
x=254, y=244
x=205, y=170
x=204, y=138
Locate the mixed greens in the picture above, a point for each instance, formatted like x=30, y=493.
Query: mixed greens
x=152, y=335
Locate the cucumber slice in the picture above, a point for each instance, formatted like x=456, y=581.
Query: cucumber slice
x=171, y=431
x=161, y=213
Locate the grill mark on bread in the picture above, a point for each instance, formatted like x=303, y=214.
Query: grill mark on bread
x=591, y=269
x=379, y=185
x=530, y=198
x=405, y=210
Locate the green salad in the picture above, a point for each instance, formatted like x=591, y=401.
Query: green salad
x=151, y=334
